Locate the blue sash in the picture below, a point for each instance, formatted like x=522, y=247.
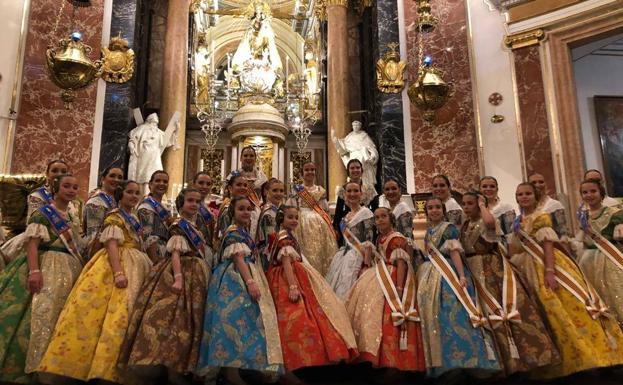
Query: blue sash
x=47, y=197
x=193, y=236
x=62, y=229
x=110, y=202
x=205, y=213
x=129, y=219
x=163, y=213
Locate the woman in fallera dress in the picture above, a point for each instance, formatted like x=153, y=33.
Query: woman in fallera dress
x=255, y=178
x=382, y=304
x=90, y=330
x=236, y=186
x=452, y=322
x=357, y=229
x=35, y=285
x=101, y=202
x=442, y=189
x=155, y=218
x=315, y=233
x=354, y=169
x=601, y=254
x=313, y=325
x=502, y=211
x=522, y=337
x=172, y=299
x=392, y=199
x=240, y=326
x=206, y=220
x=586, y=335
x=275, y=191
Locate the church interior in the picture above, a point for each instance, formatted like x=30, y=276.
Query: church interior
x=413, y=90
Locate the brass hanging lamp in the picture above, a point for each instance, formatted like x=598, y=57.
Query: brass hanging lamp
x=68, y=63
x=429, y=92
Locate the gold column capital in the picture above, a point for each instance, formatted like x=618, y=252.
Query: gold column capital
x=524, y=39
x=338, y=3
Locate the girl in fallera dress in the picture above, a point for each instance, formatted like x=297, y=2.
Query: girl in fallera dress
x=523, y=340
x=172, y=299
x=101, y=203
x=90, y=330
x=236, y=186
x=442, y=189
x=382, y=304
x=206, y=220
x=313, y=325
x=585, y=333
x=155, y=218
x=392, y=199
x=275, y=191
x=452, y=322
x=502, y=211
x=240, y=326
x=35, y=285
x=601, y=251
x=369, y=198
x=315, y=233
x=357, y=228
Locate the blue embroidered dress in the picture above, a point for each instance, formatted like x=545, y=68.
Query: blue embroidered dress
x=239, y=332
x=451, y=342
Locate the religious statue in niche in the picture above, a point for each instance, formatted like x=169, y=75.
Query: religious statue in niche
x=312, y=86
x=146, y=145
x=256, y=61
x=358, y=145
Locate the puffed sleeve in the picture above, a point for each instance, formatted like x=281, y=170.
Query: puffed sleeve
x=452, y=243
x=398, y=250
x=617, y=221
x=113, y=229
x=37, y=228
x=289, y=250
x=178, y=243
x=233, y=246
x=542, y=229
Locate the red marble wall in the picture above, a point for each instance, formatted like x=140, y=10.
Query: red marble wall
x=533, y=114
x=45, y=129
x=449, y=145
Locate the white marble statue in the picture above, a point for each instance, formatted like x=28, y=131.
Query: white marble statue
x=358, y=145
x=146, y=145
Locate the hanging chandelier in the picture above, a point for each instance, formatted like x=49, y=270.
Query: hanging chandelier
x=68, y=63
x=429, y=92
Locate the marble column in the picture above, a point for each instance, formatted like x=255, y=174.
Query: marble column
x=174, y=85
x=389, y=127
x=337, y=88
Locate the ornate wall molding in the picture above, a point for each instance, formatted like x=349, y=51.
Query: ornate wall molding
x=524, y=39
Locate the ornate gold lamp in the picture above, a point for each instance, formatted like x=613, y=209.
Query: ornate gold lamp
x=429, y=92
x=68, y=63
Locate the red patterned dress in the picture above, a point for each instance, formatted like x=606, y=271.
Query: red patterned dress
x=315, y=330
x=384, y=340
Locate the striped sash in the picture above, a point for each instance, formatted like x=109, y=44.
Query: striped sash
x=583, y=292
x=404, y=309
x=605, y=246
x=309, y=200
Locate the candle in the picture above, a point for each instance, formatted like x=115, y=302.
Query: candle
x=213, y=58
x=287, y=65
x=291, y=172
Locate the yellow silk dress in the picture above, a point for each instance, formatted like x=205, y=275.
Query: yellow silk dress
x=584, y=343
x=91, y=328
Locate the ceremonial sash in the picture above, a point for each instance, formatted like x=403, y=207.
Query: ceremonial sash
x=309, y=200
x=134, y=225
x=45, y=194
x=503, y=314
x=447, y=272
x=252, y=195
x=403, y=310
x=163, y=213
x=110, y=202
x=351, y=239
x=585, y=293
x=62, y=230
x=193, y=236
x=605, y=246
x=205, y=213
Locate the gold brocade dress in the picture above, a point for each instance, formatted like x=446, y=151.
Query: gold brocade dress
x=583, y=342
x=91, y=328
x=600, y=270
x=313, y=234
